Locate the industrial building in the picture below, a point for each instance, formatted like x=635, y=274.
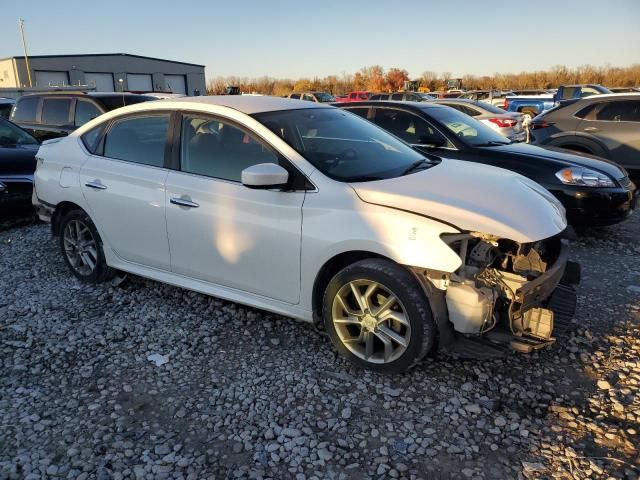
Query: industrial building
x=106, y=72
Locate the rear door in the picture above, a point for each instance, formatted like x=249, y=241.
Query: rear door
x=123, y=183
x=616, y=124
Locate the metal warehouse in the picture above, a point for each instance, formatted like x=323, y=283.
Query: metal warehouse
x=106, y=72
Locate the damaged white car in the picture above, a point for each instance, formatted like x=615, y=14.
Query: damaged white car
x=315, y=213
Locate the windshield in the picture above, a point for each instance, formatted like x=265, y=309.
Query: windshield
x=324, y=97
x=342, y=145
x=491, y=108
x=12, y=135
x=468, y=130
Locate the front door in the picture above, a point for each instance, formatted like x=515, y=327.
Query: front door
x=124, y=186
x=223, y=232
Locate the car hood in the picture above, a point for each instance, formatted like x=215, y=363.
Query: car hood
x=18, y=160
x=563, y=157
x=472, y=197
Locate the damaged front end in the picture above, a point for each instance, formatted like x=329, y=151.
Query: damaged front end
x=509, y=293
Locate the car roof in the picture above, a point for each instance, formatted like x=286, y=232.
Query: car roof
x=80, y=93
x=626, y=95
x=248, y=104
x=392, y=103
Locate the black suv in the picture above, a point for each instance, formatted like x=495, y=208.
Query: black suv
x=56, y=114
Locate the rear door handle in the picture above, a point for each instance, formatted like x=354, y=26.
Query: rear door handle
x=591, y=129
x=183, y=202
x=97, y=184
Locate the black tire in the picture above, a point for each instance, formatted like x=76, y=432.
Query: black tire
x=101, y=272
x=403, y=285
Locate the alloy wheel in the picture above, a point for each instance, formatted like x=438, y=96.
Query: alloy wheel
x=370, y=321
x=80, y=247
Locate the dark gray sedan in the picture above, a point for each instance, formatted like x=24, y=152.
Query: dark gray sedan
x=604, y=125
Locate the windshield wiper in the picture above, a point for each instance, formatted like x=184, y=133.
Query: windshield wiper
x=419, y=165
x=492, y=143
x=363, y=178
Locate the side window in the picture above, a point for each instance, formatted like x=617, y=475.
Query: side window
x=55, y=111
x=408, y=127
x=397, y=96
x=361, y=112
x=25, y=109
x=620, y=111
x=353, y=95
x=586, y=111
x=588, y=91
x=363, y=96
x=469, y=111
x=568, y=92
x=375, y=97
x=138, y=139
x=92, y=137
x=308, y=97
x=217, y=149
x=85, y=111
x=295, y=95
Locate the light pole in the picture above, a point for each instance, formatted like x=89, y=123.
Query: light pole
x=24, y=47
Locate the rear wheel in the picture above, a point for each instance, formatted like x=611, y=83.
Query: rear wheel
x=378, y=316
x=82, y=248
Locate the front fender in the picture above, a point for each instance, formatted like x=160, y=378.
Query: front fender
x=406, y=238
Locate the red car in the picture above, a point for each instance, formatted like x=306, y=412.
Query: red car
x=357, y=96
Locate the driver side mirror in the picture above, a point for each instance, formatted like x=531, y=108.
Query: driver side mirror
x=264, y=176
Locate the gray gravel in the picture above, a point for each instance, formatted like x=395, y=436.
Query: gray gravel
x=144, y=380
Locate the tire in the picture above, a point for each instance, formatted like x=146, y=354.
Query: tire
x=81, y=248
x=406, y=323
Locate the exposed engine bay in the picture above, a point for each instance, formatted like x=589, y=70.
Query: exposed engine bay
x=503, y=287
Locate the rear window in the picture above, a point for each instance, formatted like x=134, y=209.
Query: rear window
x=117, y=101
x=25, y=109
x=55, y=111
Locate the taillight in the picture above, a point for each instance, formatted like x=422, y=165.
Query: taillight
x=538, y=124
x=503, y=122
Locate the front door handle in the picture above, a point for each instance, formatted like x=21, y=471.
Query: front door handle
x=97, y=184
x=591, y=129
x=183, y=202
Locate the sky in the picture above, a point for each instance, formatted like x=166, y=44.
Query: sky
x=293, y=39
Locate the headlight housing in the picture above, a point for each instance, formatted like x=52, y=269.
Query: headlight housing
x=584, y=177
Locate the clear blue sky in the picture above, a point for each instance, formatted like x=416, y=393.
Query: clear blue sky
x=306, y=39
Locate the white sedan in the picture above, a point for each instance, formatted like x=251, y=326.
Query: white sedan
x=312, y=212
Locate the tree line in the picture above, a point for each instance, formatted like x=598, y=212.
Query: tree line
x=376, y=78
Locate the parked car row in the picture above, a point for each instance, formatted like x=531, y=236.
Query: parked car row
x=387, y=222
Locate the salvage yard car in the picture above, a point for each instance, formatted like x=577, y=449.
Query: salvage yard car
x=594, y=191
x=56, y=114
x=603, y=125
x=17, y=164
x=309, y=211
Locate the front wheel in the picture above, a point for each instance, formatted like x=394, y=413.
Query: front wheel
x=378, y=316
x=82, y=248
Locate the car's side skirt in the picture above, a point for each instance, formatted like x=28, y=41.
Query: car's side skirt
x=219, y=291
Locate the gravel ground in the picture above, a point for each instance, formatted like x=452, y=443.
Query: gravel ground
x=247, y=394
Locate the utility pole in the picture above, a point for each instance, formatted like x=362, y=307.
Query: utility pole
x=24, y=47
